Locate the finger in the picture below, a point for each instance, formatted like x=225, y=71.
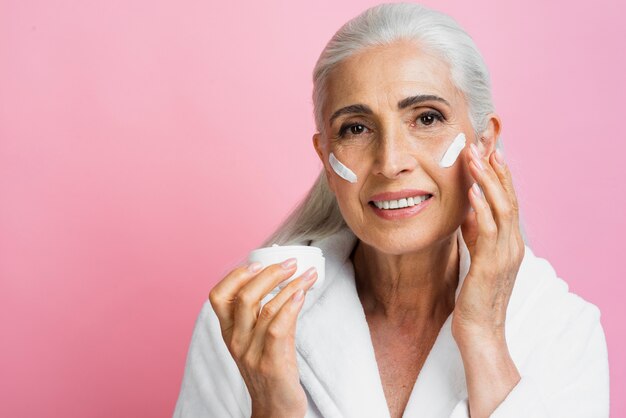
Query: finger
x=222, y=296
x=516, y=241
x=469, y=228
x=487, y=228
x=275, y=317
x=494, y=192
x=504, y=174
x=283, y=328
x=248, y=299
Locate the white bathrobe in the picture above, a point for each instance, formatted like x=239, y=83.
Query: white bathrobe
x=555, y=339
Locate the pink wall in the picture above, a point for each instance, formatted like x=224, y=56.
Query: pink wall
x=142, y=152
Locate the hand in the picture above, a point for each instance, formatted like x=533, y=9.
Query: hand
x=496, y=249
x=263, y=345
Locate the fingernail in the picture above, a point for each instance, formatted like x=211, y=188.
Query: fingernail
x=474, y=150
x=478, y=164
x=254, y=267
x=499, y=157
x=476, y=190
x=289, y=263
x=298, y=295
x=476, y=156
x=309, y=274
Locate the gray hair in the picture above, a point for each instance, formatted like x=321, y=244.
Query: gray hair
x=317, y=215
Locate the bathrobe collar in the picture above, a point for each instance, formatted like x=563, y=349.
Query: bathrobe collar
x=336, y=356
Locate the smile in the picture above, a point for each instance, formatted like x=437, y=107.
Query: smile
x=401, y=203
x=401, y=208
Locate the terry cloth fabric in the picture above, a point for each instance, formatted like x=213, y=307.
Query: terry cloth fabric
x=555, y=339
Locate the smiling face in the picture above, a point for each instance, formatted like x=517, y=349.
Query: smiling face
x=395, y=111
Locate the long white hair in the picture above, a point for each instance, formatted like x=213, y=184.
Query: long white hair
x=317, y=215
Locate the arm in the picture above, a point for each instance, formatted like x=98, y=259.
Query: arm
x=489, y=372
x=567, y=376
x=572, y=379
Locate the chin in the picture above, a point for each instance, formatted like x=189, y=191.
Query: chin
x=397, y=241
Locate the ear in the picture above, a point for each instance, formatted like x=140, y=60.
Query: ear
x=487, y=143
x=320, y=147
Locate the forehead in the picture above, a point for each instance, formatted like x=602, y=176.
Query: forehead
x=383, y=75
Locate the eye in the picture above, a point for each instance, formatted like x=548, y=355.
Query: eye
x=430, y=117
x=355, y=129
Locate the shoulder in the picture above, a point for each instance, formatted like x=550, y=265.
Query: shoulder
x=538, y=287
x=556, y=339
x=549, y=323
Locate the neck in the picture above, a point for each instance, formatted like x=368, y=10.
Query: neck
x=416, y=287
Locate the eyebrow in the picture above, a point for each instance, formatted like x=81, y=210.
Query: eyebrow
x=402, y=104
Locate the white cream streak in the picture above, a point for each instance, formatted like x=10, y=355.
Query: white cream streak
x=453, y=151
x=448, y=159
x=341, y=170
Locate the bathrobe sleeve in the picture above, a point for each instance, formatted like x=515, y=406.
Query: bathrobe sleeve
x=572, y=377
x=564, y=371
x=212, y=385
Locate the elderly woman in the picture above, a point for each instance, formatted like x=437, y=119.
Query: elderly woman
x=433, y=305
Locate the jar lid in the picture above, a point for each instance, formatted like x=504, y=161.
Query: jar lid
x=291, y=249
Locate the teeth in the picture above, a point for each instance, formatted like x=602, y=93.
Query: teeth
x=401, y=203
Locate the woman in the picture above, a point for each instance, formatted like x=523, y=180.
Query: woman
x=433, y=305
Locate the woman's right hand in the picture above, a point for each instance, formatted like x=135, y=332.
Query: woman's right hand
x=263, y=345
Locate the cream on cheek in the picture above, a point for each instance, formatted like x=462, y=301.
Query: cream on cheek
x=453, y=151
x=448, y=159
x=341, y=170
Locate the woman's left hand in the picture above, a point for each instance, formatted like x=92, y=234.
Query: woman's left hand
x=496, y=249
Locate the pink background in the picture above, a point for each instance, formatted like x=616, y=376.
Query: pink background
x=144, y=147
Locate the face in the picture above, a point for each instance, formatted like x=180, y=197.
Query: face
x=393, y=144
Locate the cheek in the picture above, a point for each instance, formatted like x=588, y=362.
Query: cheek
x=453, y=182
x=452, y=151
x=350, y=207
x=341, y=169
x=465, y=176
x=347, y=195
x=460, y=171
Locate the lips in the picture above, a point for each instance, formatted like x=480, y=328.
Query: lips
x=402, y=194
x=397, y=212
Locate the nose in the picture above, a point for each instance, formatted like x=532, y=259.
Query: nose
x=393, y=155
